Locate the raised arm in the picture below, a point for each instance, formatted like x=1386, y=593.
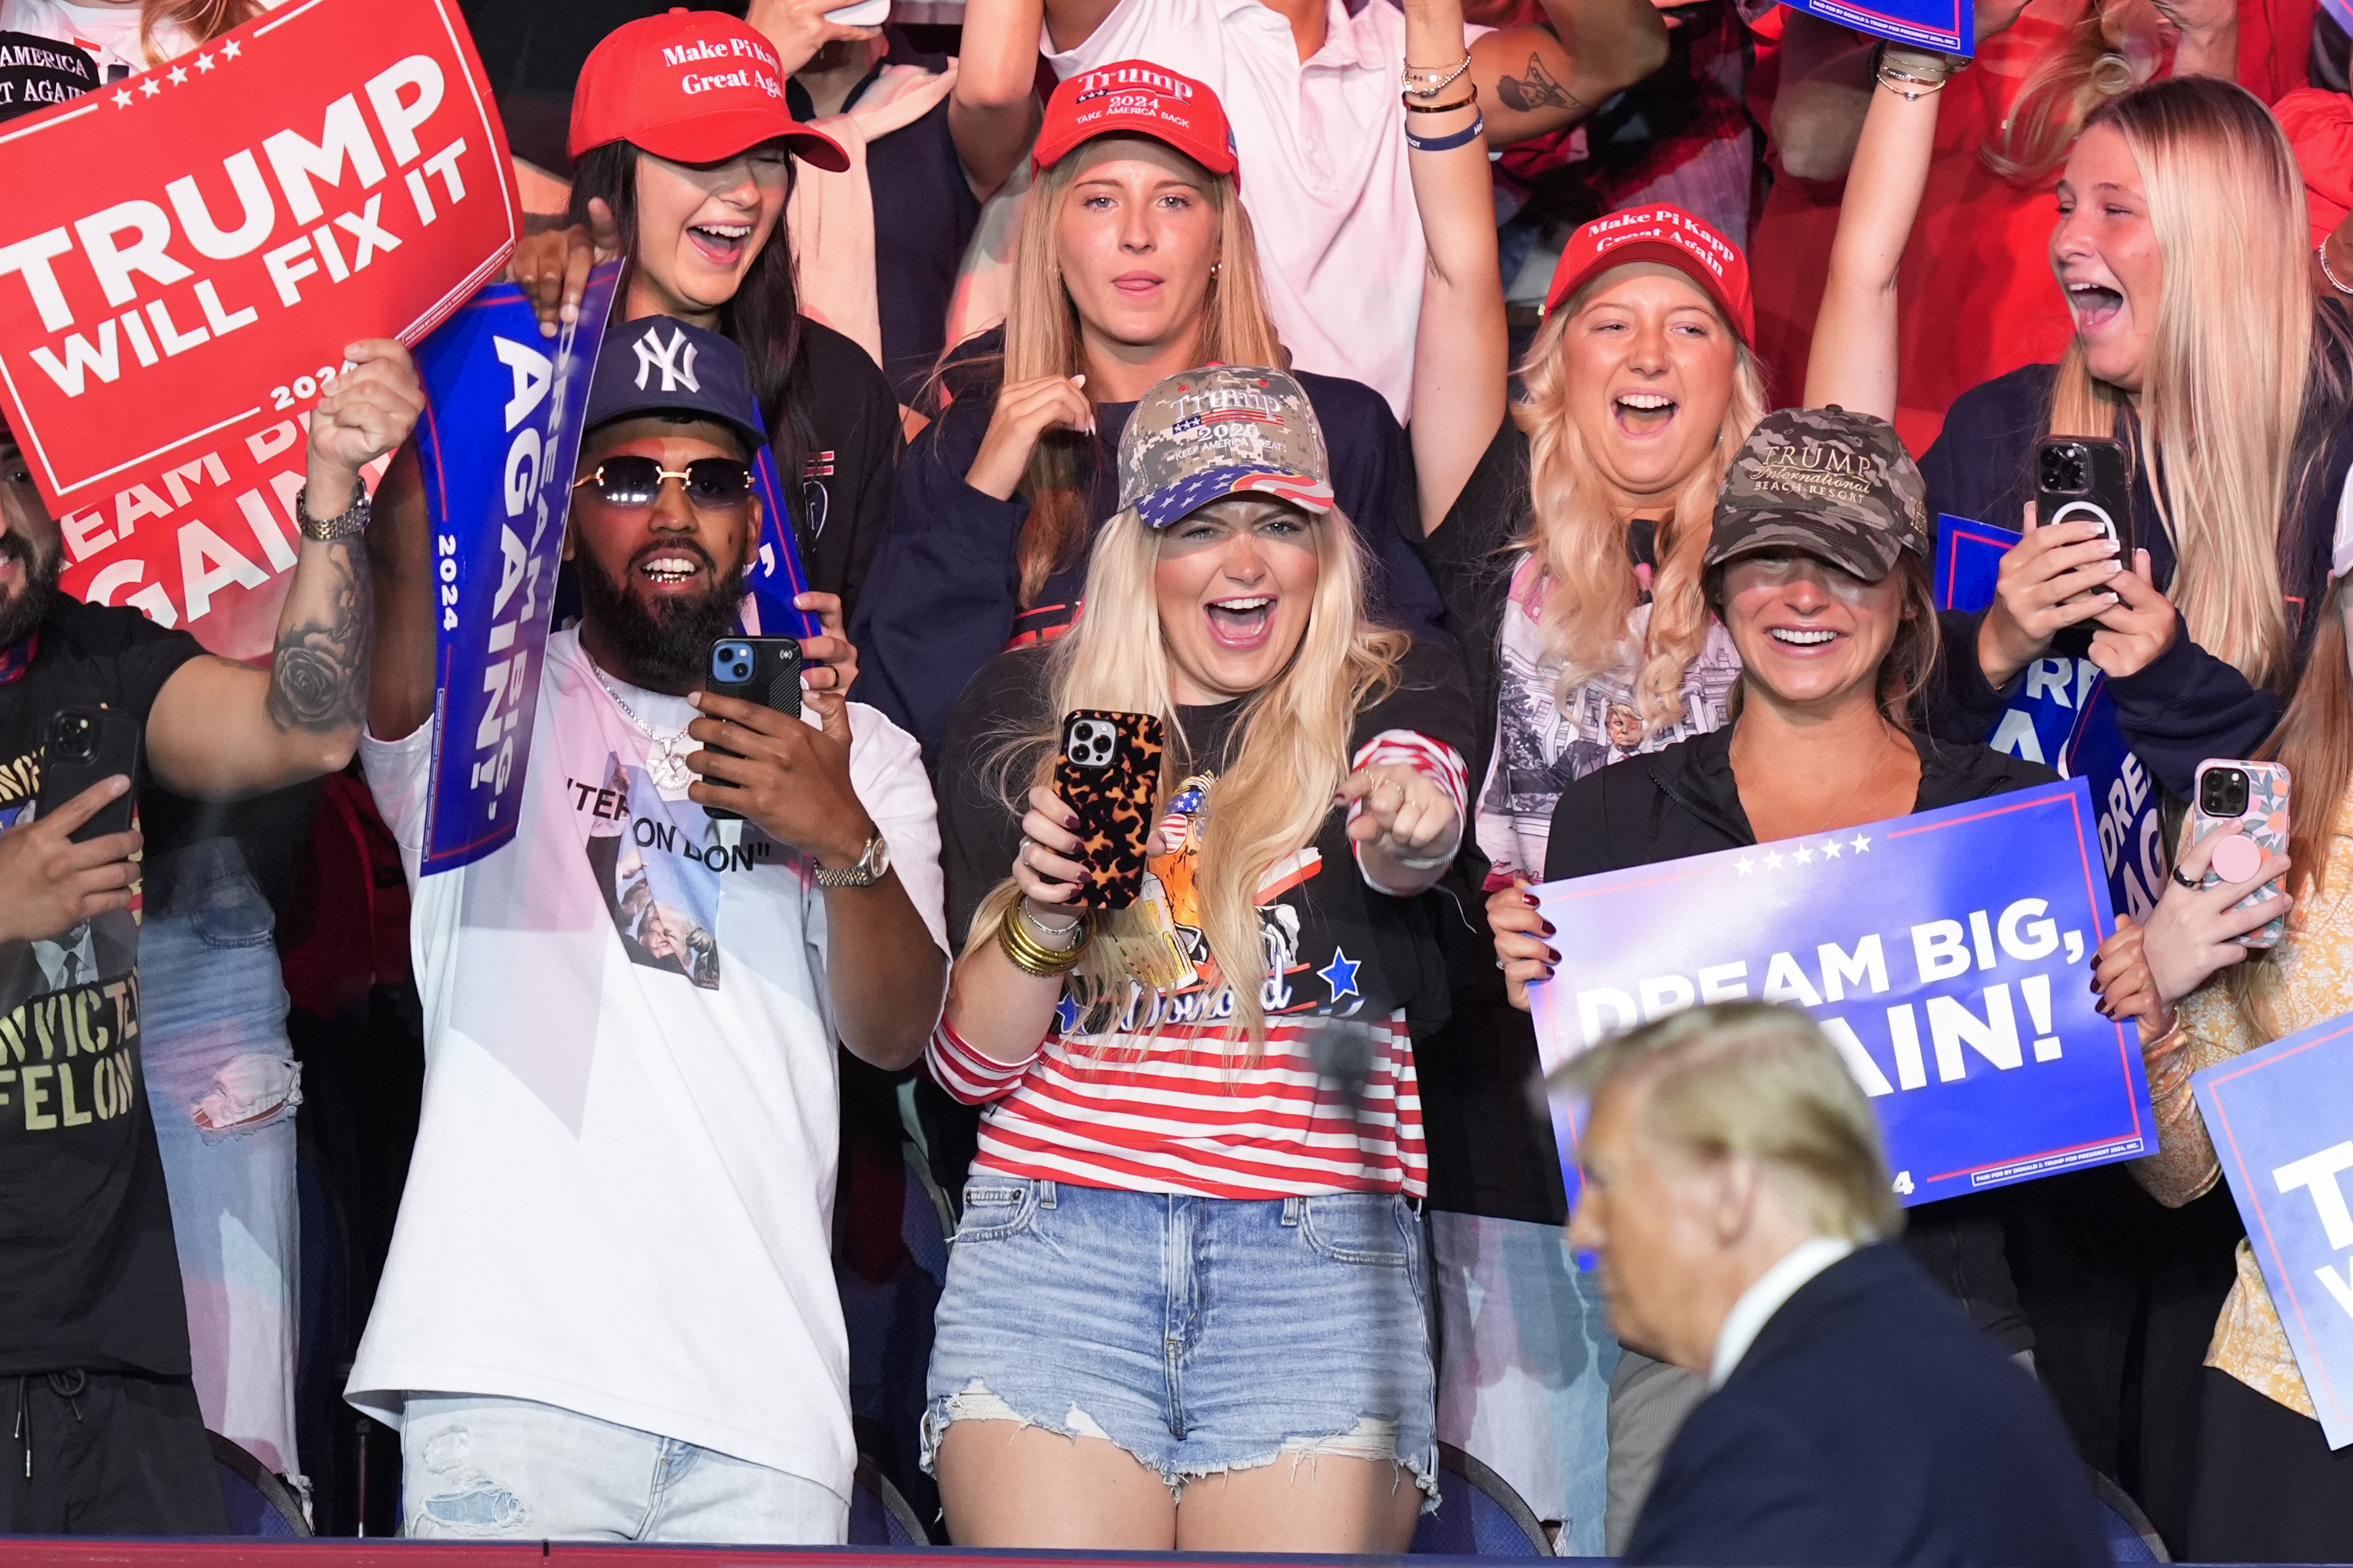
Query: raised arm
x=220, y=730
x=1534, y=80
x=1826, y=89
x=1854, y=356
x=1462, y=349
x=993, y=109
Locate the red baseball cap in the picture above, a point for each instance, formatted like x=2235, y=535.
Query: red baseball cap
x=1142, y=99
x=1671, y=236
x=693, y=87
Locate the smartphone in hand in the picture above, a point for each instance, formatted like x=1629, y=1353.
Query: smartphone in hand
x=2251, y=797
x=765, y=671
x=82, y=746
x=1109, y=773
x=2085, y=479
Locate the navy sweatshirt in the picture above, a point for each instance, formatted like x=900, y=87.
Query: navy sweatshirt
x=2187, y=705
x=943, y=597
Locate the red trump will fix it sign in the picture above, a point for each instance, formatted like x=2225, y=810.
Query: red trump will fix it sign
x=183, y=257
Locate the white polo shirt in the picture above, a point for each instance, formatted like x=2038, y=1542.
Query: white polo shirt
x=1322, y=147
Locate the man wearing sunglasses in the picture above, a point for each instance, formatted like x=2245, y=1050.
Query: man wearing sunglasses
x=609, y=1311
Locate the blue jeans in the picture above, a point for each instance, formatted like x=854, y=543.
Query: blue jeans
x=223, y=1084
x=1201, y=1335
x=476, y=1466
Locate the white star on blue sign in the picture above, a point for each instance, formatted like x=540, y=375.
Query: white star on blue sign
x=1340, y=975
x=1066, y=1014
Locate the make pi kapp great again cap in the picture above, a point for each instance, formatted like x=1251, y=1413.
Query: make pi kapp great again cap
x=1137, y=98
x=1670, y=236
x=693, y=87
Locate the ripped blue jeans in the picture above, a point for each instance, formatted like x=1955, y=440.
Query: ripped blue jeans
x=1201, y=1335
x=481, y=1467
x=223, y=1084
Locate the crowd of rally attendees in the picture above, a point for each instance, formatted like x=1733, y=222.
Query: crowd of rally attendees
x=1384, y=395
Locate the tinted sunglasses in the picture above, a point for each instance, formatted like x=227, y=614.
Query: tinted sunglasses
x=713, y=484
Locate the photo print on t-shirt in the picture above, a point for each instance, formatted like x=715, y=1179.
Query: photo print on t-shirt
x=660, y=878
x=1177, y=981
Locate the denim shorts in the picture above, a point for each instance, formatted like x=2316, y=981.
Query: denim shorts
x=1201, y=1335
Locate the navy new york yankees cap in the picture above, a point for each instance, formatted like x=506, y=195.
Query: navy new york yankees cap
x=657, y=365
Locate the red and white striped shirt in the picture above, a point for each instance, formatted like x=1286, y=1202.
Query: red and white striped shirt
x=1330, y=1105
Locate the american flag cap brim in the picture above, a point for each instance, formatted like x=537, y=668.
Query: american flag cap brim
x=1159, y=509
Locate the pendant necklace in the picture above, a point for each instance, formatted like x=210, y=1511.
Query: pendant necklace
x=667, y=762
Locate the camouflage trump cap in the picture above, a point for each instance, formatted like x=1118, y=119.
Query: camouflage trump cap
x=1827, y=483
x=1228, y=429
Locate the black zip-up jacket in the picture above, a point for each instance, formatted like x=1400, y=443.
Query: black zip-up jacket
x=1682, y=800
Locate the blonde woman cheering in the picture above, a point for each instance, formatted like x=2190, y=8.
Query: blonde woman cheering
x=1186, y=1306
x=1136, y=260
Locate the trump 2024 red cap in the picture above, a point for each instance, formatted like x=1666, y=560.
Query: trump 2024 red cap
x=1670, y=236
x=1139, y=98
x=693, y=87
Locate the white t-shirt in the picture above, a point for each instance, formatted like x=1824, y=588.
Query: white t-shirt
x=620, y=1202
x=1322, y=148
x=1545, y=742
x=111, y=33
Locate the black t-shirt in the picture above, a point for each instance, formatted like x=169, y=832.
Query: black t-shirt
x=925, y=214
x=1331, y=912
x=852, y=463
x=88, y=1274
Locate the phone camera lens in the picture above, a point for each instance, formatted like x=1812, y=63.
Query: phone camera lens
x=2224, y=793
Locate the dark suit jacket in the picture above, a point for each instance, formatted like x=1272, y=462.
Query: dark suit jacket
x=1870, y=1424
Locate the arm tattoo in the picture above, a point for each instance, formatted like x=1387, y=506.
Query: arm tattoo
x=318, y=674
x=1537, y=89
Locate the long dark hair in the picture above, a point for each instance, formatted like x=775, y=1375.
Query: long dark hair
x=763, y=318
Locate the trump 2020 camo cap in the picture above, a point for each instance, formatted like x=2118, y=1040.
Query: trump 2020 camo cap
x=1827, y=483
x=1228, y=429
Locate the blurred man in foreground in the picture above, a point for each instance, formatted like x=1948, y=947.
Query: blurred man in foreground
x=1739, y=1200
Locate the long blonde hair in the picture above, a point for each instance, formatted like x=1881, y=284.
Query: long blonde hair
x=1042, y=338
x=1579, y=541
x=1290, y=747
x=2229, y=357
x=2109, y=48
x=203, y=20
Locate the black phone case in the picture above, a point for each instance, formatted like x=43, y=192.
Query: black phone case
x=64, y=778
x=2108, y=495
x=775, y=682
x=1109, y=772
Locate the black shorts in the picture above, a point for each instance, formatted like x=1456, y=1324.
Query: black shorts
x=110, y=1453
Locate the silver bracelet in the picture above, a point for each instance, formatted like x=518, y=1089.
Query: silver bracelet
x=1053, y=934
x=2320, y=254
x=1439, y=81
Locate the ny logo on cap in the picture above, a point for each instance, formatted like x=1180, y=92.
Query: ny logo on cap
x=675, y=360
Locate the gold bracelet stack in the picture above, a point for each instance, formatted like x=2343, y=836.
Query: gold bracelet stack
x=1032, y=956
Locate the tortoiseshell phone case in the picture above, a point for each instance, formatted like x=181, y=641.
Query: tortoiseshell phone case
x=1108, y=772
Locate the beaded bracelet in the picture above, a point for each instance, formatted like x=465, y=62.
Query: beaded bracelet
x=1438, y=80
x=1446, y=143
